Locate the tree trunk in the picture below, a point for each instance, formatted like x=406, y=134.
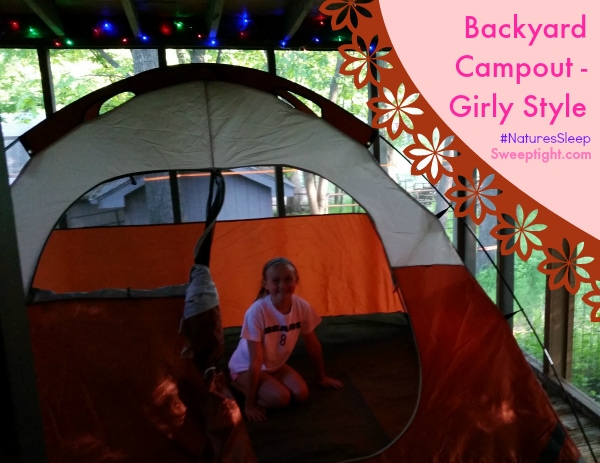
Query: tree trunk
x=181, y=56
x=144, y=59
x=334, y=87
x=294, y=204
x=317, y=187
x=316, y=191
x=197, y=55
x=322, y=197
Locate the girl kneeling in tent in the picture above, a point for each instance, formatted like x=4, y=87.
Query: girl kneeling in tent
x=272, y=326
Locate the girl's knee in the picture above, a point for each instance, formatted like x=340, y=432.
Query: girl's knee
x=300, y=394
x=284, y=396
x=294, y=382
x=276, y=398
x=281, y=399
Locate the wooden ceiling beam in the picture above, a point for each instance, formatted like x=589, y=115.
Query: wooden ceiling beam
x=213, y=17
x=294, y=16
x=133, y=17
x=46, y=10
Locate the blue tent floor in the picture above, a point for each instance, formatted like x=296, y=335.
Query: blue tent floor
x=375, y=358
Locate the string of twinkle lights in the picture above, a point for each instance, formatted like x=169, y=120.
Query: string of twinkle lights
x=104, y=31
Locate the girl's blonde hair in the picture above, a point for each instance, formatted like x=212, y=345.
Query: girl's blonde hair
x=262, y=292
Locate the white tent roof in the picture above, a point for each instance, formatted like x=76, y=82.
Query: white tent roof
x=213, y=124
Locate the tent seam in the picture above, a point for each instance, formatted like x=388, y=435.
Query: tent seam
x=208, y=119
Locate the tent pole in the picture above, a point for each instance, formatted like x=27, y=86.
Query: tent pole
x=375, y=148
x=22, y=436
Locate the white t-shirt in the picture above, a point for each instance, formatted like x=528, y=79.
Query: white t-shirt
x=277, y=332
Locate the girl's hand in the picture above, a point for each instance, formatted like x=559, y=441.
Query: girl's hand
x=331, y=383
x=255, y=413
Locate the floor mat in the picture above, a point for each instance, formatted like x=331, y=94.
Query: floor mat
x=375, y=359
x=113, y=387
x=317, y=431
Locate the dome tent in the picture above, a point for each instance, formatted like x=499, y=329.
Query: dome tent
x=477, y=400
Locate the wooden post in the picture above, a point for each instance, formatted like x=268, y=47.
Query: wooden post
x=505, y=283
x=558, y=331
x=175, y=198
x=22, y=437
x=464, y=240
x=47, y=83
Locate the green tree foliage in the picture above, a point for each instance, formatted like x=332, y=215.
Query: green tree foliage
x=19, y=71
x=255, y=59
x=75, y=73
x=530, y=292
x=78, y=72
x=319, y=71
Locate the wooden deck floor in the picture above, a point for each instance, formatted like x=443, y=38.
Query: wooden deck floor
x=584, y=431
x=583, y=424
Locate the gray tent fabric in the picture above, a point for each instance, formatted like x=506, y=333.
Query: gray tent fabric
x=208, y=125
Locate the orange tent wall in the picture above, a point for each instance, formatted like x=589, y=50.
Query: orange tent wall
x=480, y=400
x=341, y=261
x=109, y=392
